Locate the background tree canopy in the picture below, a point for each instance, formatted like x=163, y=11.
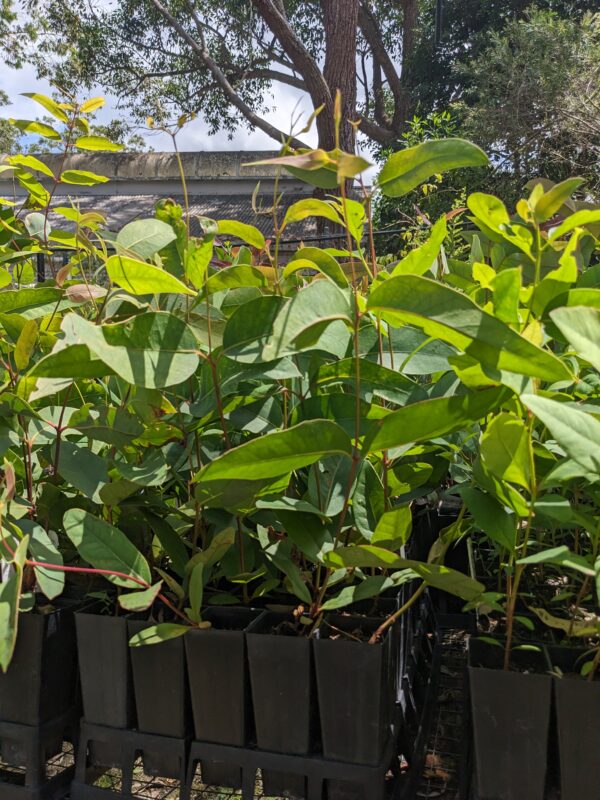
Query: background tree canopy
x=521, y=80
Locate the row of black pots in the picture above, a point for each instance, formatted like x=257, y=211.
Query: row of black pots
x=522, y=715
x=248, y=680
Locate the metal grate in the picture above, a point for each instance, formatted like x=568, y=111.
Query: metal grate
x=441, y=772
x=147, y=787
x=15, y=774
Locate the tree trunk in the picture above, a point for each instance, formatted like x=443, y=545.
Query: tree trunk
x=340, y=24
x=404, y=104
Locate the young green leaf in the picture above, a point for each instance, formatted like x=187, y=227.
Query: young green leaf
x=156, y=634
x=97, y=143
x=394, y=528
x=506, y=449
x=140, y=278
x=240, y=230
x=422, y=258
x=81, y=177
x=140, y=601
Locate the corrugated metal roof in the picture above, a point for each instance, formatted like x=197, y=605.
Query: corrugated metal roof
x=121, y=209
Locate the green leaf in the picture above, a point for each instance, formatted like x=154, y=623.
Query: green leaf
x=197, y=259
x=235, y=277
x=447, y=314
x=31, y=162
x=552, y=201
x=577, y=432
x=145, y=237
x=438, y=575
x=368, y=502
x=429, y=419
x=581, y=328
x=394, y=528
x=406, y=169
x=562, y=557
x=153, y=350
x=98, y=143
x=489, y=210
x=311, y=207
x=311, y=166
x=578, y=220
x=5, y=278
x=491, y=517
x=49, y=104
x=155, y=634
x=10, y=594
x=278, y=453
x=139, y=278
x=196, y=590
x=506, y=449
x=81, y=177
x=301, y=322
x=239, y=230
x=25, y=344
x=106, y=548
x=39, y=128
x=170, y=541
x=152, y=471
x=140, y=601
x=83, y=469
x=370, y=587
x=43, y=549
x=323, y=262
x=577, y=627
x=215, y=551
x=307, y=532
x=422, y=259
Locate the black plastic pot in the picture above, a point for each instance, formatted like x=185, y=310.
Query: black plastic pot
x=219, y=687
x=283, y=696
x=356, y=689
x=511, y=716
x=41, y=681
x=577, y=719
x=161, y=695
x=105, y=669
x=105, y=674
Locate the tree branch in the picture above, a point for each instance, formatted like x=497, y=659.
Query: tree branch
x=372, y=33
x=219, y=76
x=272, y=13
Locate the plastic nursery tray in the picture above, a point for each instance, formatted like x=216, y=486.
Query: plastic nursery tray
x=37, y=762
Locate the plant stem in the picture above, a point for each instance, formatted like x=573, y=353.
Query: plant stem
x=376, y=637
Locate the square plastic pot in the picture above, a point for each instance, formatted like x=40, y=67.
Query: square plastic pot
x=511, y=717
x=105, y=669
x=578, y=720
x=220, y=688
x=356, y=688
x=161, y=696
x=283, y=696
x=41, y=681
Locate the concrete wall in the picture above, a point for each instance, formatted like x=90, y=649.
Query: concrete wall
x=214, y=172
